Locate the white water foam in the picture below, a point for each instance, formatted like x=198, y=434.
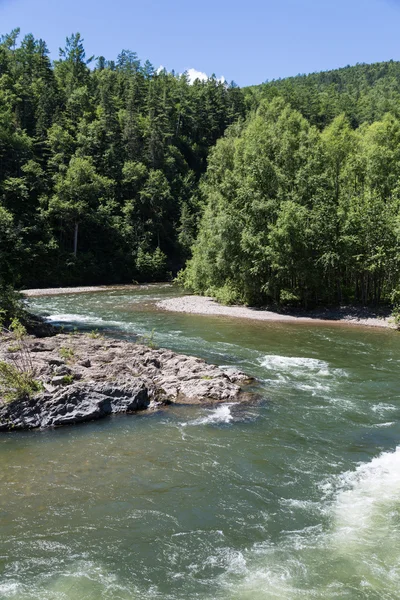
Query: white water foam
x=308, y=374
x=9, y=590
x=75, y=318
x=284, y=363
x=81, y=581
x=221, y=414
x=357, y=556
x=382, y=408
x=369, y=498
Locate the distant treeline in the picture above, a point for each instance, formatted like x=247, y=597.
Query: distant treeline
x=364, y=93
x=113, y=172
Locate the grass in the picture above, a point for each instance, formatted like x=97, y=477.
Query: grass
x=147, y=339
x=14, y=348
x=67, y=353
x=17, y=381
x=16, y=384
x=95, y=335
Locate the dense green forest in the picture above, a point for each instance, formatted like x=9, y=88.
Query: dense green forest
x=112, y=171
x=364, y=93
x=302, y=199
x=99, y=163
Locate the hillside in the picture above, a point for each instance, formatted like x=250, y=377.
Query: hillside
x=113, y=172
x=364, y=93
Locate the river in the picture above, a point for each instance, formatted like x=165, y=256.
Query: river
x=295, y=497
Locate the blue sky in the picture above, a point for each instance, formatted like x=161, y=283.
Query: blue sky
x=247, y=41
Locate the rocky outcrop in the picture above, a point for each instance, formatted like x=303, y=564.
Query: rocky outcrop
x=86, y=378
x=74, y=404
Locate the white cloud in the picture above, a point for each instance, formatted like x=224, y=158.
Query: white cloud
x=193, y=74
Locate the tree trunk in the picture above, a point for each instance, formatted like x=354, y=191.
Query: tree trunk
x=76, y=239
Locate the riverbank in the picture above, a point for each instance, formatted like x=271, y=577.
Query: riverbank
x=84, y=289
x=87, y=377
x=203, y=305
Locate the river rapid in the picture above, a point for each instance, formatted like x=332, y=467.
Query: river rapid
x=295, y=497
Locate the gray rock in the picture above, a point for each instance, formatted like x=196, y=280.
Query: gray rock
x=58, y=380
x=57, y=362
x=62, y=370
x=38, y=347
x=85, y=363
x=75, y=404
x=113, y=376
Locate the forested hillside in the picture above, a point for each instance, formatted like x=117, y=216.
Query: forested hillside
x=363, y=93
x=302, y=201
x=99, y=163
x=114, y=171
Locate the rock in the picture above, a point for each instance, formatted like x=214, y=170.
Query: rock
x=76, y=403
x=38, y=347
x=56, y=362
x=75, y=406
x=59, y=380
x=123, y=377
x=62, y=370
x=235, y=375
x=20, y=414
x=85, y=363
x=49, y=388
x=37, y=326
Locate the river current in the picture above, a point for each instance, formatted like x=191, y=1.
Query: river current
x=295, y=497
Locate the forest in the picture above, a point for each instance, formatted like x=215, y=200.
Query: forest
x=100, y=163
x=114, y=172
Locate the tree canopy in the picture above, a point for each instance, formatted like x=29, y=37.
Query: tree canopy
x=113, y=171
x=100, y=163
x=300, y=215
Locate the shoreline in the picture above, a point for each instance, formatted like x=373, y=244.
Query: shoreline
x=87, y=289
x=205, y=305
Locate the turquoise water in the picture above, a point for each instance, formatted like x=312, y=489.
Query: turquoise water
x=297, y=496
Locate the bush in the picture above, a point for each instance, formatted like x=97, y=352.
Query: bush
x=67, y=354
x=17, y=380
x=11, y=306
x=226, y=294
x=16, y=384
x=151, y=266
x=147, y=339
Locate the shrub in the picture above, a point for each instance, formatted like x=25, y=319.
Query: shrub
x=68, y=379
x=147, y=339
x=16, y=384
x=95, y=335
x=11, y=306
x=66, y=353
x=17, y=380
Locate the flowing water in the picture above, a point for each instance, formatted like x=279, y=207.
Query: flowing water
x=297, y=497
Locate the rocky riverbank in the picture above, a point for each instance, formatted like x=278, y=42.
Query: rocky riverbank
x=86, y=377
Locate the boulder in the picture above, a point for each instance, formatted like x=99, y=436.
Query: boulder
x=74, y=404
